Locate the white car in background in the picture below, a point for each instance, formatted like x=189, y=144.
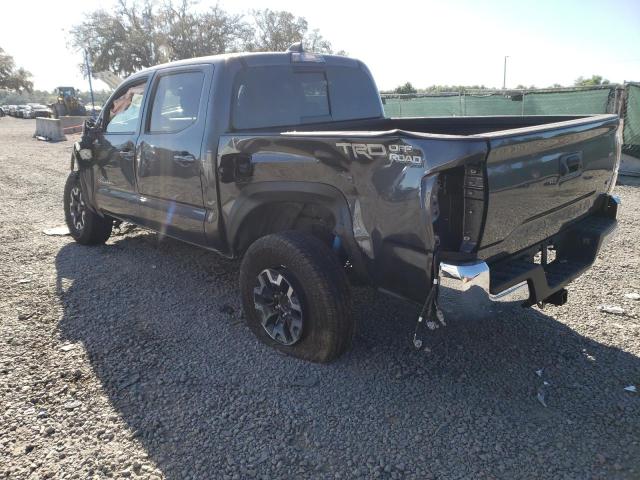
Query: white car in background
x=34, y=110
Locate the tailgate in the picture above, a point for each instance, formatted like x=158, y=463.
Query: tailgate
x=542, y=178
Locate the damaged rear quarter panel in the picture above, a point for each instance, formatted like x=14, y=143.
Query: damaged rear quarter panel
x=380, y=178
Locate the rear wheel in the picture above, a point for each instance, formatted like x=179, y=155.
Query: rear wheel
x=85, y=226
x=296, y=296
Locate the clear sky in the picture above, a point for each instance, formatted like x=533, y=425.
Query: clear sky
x=425, y=42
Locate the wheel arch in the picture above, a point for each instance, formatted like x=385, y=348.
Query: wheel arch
x=272, y=207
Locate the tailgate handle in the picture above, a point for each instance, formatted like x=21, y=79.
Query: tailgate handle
x=571, y=164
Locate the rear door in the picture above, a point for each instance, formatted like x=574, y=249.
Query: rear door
x=540, y=179
x=169, y=169
x=115, y=149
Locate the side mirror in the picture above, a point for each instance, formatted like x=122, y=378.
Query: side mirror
x=90, y=132
x=90, y=123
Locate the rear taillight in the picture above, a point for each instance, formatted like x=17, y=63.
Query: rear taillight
x=474, y=202
x=455, y=201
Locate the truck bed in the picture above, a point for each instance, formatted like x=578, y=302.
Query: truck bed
x=539, y=172
x=505, y=183
x=456, y=126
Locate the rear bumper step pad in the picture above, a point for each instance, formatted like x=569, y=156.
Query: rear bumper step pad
x=577, y=248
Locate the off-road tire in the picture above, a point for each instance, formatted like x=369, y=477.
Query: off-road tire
x=318, y=279
x=96, y=229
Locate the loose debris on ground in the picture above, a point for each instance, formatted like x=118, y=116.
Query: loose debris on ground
x=131, y=360
x=612, y=309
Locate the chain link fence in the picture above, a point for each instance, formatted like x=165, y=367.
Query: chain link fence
x=621, y=99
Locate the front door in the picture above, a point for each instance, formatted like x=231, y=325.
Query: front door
x=115, y=150
x=169, y=169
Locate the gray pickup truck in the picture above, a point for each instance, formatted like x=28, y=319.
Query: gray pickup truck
x=287, y=160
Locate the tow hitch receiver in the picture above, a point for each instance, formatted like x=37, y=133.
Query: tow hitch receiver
x=559, y=298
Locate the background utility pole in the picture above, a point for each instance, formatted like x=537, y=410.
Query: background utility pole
x=504, y=74
x=88, y=64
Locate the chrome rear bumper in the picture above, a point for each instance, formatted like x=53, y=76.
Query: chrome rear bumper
x=475, y=279
x=518, y=278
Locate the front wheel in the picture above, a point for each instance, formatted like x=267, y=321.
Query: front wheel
x=86, y=226
x=296, y=296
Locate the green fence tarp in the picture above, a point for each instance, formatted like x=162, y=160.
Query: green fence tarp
x=569, y=103
x=440, y=106
x=564, y=102
x=631, y=133
x=512, y=103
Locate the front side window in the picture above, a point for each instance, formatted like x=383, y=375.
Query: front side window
x=176, y=102
x=124, y=111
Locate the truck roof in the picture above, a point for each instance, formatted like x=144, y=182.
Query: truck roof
x=257, y=59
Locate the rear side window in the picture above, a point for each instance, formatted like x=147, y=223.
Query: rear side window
x=176, y=102
x=281, y=96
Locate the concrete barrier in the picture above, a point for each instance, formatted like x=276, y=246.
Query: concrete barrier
x=54, y=129
x=50, y=129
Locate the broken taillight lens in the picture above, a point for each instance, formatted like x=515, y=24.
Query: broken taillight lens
x=474, y=202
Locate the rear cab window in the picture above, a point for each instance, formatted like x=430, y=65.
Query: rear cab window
x=282, y=95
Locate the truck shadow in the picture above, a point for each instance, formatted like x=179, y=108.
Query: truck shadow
x=161, y=323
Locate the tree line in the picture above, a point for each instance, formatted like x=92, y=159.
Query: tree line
x=13, y=78
x=408, y=88
x=45, y=97
x=140, y=34
x=22, y=96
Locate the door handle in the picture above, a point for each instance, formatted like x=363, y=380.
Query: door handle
x=184, y=158
x=127, y=154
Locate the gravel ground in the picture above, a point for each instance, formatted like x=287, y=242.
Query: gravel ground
x=132, y=360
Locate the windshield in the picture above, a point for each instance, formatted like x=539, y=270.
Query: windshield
x=67, y=91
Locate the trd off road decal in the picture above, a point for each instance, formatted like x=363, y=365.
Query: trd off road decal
x=395, y=152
